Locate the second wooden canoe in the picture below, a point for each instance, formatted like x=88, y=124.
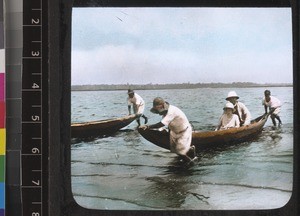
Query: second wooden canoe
x=101, y=127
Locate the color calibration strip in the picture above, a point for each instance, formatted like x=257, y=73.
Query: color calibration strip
x=2, y=114
x=13, y=43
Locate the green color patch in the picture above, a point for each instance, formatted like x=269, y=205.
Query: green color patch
x=2, y=168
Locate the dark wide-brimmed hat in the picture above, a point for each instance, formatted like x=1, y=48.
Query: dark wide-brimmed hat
x=159, y=101
x=130, y=91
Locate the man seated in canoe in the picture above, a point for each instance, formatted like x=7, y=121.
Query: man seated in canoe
x=179, y=127
x=138, y=104
x=228, y=119
x=239, y=108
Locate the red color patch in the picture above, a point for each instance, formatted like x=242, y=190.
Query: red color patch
x=2, y=86
x=2, y=114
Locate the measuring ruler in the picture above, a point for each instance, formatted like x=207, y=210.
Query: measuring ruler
x=34, y=151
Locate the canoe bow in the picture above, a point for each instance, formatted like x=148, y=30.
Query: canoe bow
x=101, y=127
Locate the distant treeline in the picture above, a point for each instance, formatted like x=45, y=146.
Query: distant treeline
x=105, y=87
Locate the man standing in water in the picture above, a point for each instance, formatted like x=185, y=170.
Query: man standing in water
x=179, y=126
x=239, y=108
x=138, y=105
x=274, y=105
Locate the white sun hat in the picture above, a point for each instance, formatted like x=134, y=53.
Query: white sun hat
x=228, y=106
x=232, y=94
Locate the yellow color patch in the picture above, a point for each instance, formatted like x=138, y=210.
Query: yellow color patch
x=2, y=141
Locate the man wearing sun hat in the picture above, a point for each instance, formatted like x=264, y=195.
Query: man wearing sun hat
x=138, y=104
x=179, y=127
x=239, y=108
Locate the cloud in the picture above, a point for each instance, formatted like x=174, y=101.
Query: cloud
x=167, y=45
x=129, y=64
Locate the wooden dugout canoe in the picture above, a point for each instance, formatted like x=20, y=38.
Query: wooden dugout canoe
x=100, y=128
x=210, y=139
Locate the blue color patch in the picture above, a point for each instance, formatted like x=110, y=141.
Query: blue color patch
x=2, y=197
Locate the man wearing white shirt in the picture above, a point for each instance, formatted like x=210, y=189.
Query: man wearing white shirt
x=179, y=127
x=239, y=108
x=136, y=101
x=274, y=105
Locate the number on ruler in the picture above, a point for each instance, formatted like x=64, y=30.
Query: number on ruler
x=36, y=183
x=35, y=150
x=35, y=214
x=35, y=21
x=35, y=118
x=35, y=86
x=35, y=53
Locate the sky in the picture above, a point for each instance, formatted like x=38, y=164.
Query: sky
x=181, y=45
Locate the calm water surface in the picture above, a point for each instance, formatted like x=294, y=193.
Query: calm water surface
x=126, y=172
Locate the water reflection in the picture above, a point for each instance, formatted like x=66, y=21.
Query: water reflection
x=272, y=136
x=172, y=188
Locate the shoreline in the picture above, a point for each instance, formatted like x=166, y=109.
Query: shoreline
x=122, y=87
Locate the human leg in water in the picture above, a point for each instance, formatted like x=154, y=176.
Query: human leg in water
x=146, y=119
x=273, y=120
x=138, y=121
x=279, y=120
x=190, y=157
x=273, y=117
x=192, y=152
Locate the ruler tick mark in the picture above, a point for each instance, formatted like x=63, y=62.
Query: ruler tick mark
x=32, y=25
x=31, y=90
x=31, y=186
x=29, y=57
x=32, y=154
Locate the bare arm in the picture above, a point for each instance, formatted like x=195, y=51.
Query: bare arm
x=157, y=125
x=266, y=109
x=129, y=109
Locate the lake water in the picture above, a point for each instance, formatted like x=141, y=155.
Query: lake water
x=126, y=172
